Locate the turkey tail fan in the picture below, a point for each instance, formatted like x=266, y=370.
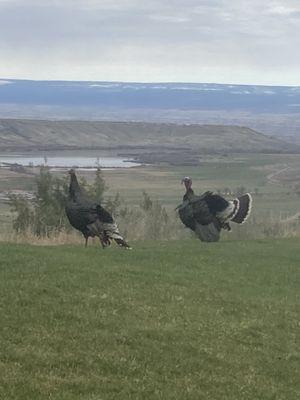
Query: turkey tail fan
x=108, y=232
x=243, y=208
x=112, y=232
x=122, y=243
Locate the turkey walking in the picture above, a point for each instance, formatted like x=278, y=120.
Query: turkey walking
x=209, y=213
x=90, y=218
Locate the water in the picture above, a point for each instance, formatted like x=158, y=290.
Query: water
x=66, y=161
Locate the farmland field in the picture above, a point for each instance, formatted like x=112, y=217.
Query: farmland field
x=172, y=320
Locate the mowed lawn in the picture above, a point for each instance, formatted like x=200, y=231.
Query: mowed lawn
x=169, y=320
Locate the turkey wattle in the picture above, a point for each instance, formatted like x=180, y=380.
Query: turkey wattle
x=209, y=213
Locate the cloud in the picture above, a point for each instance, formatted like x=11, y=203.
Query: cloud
x=210, y=40
x=169, y=18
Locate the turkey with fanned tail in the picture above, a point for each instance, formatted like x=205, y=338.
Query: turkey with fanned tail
x=209, y=213
x=90, y=218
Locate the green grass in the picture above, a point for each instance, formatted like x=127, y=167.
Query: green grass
x=250, y=171
x=164, y=321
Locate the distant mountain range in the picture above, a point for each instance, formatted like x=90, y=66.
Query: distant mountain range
x=190, y=96
x=269, y=109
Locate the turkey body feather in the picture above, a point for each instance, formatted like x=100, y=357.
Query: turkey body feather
x=196, y=215
x=193, y=211
x=82, y=215
x=90, y=218
x=209, y=213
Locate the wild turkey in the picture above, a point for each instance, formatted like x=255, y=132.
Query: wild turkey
x=209, y=213
x=90, y=218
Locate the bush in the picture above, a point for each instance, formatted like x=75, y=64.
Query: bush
x=24, y=213
x=45, y=214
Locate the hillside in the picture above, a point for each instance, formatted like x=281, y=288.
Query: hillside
x=171, y=320
x=39, y=134
x=273, y=110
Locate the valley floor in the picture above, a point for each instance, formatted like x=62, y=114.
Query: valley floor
x=273, y=181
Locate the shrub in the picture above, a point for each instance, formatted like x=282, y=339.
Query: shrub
x=45, y=214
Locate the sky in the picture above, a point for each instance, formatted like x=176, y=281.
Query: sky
x=220, y=41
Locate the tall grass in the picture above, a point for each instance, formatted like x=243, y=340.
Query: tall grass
x=43, y=219
x=143, y=226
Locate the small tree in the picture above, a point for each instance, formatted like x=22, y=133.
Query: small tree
x=49, y=203
x=146, y=203
x=24, y=214
x=98, y=187
x=45, y=214
x=156, y=218
x=113, y=204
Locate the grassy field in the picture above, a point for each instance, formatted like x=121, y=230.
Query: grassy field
x=167, y=320
x=163, y=181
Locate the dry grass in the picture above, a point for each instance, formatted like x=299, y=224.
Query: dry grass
x=145, y=228
x=274, y=207
x=61, y=238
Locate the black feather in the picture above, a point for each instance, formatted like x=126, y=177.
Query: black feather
x=215, y=202
x=207, y=214
x=195, y=214
x=90, y=218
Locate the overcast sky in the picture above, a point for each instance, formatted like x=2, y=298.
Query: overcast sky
x=222, y=41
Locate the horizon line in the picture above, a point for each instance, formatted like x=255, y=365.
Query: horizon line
x=149, y=82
